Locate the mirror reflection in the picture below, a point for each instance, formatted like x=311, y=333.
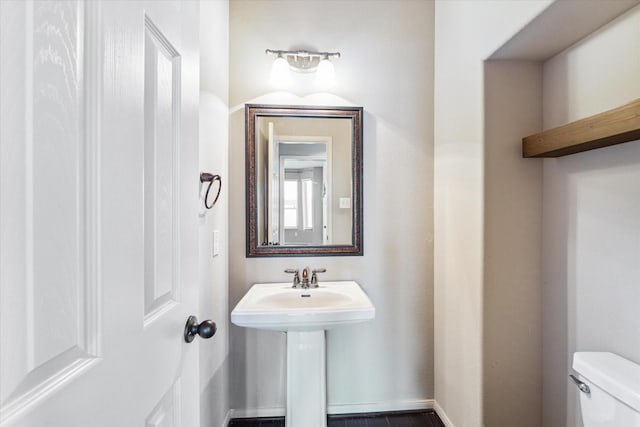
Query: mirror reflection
x=302, y=180
x=304, y=172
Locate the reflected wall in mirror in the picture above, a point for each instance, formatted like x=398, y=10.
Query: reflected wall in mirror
x=304, y=180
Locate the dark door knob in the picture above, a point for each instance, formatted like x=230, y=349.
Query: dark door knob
x=206, y=329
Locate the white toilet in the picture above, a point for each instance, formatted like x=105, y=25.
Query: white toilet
x=610, y=389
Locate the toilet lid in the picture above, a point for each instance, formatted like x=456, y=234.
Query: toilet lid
x=614, y=374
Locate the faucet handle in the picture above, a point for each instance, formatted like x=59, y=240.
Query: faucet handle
x=296, y=276
x=314, y=276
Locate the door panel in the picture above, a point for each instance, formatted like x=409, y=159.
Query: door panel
x=48, y=275
x=166, y=413
x=162, y=140
x=98, y=211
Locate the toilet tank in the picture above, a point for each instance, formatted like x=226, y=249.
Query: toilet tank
x=614, y=383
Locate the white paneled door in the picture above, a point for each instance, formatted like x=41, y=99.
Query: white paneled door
x=98, y=211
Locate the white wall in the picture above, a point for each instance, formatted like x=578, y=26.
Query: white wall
x=386, y=363
x=467, y=32
x=591, y=215
x=213, y=272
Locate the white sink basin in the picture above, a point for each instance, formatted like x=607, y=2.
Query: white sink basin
x=304, y=314
x=278, y=306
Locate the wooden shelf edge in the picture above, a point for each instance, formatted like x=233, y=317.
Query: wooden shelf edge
x=611, y=127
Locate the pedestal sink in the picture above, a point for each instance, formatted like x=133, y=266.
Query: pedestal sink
x=304, y=314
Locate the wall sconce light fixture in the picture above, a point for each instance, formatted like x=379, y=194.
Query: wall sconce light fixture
x=302, y=61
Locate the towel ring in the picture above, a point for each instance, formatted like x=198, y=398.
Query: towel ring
x=210, y=178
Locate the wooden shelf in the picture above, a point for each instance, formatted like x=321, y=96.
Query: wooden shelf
x=612, y=127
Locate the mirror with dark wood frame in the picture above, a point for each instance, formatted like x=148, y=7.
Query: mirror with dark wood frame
x=304, y=180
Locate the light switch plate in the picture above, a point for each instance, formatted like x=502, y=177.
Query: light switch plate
x=345, y=202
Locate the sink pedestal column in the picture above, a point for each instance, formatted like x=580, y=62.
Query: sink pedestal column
x=306, y=379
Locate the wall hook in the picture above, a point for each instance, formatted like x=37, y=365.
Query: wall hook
x=210, y=178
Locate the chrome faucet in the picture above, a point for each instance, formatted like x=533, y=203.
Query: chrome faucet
x=305, y=277
x=314, y=277
x=305, y=283
x=296, y=277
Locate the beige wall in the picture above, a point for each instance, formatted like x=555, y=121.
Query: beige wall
x=489, y=316
x=512, y=324
x=473, y=272
x=387, y=363
x=467, y=33
x=213, y=272
x=591, y=216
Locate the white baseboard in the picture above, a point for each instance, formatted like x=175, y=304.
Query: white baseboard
x=443, y=416
x=257, y=412
x=227, y=418
x=396, y=405
x=357, y=408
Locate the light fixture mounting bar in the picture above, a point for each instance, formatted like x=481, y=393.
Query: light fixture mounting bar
x=302, y=60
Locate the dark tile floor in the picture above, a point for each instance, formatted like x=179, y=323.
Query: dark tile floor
x=426, y=418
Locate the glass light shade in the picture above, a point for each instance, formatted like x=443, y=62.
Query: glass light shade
x=325, y=75
x=280, y=73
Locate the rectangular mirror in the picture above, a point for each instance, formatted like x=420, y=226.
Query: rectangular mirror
x=304, y=180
